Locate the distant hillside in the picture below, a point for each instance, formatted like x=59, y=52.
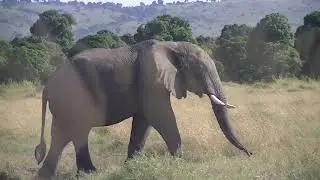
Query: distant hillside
x=206, y=18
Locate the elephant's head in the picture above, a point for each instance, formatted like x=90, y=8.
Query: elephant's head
x=186, y=67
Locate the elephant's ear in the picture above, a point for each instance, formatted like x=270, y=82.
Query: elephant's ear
x=171, y=70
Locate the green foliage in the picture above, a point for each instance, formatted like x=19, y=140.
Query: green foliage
x=312, y=19
x=234, y=30
x=241, y=53
x=272, y=60
x=231, y=51
x=308, y=44
x=55, y=27
x=165, y=28
x=207, y=43
x=128, y=39
x=205, y=19
x=103, y=39
x=5, y=53
x=269, y=50
x=260, y=53
x=233, y=55
x=30, y=58
x=273, y=27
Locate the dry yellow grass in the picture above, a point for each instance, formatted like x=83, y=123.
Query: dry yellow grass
x=278, y=122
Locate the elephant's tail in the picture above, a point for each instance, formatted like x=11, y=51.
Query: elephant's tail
x=40, y=150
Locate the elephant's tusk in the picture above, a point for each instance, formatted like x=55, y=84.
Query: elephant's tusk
x=217, y=101
x=230, y=106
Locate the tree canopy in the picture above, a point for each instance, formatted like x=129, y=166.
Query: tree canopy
x=30, y=58
x=231, y=51
x=273, y=27
x=270, y=50
x=235, y=30
x=56, y=27
x=308, y=44
x=128, y=39
x=165, y=28
x=103, y=39
x=241, y=53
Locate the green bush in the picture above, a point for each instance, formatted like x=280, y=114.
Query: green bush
x=5, y=53
x=273, y=27
x=128, y=39
x=273, y=60
x=308, y=44
x=32, y=59
x=231, y=52
x=270, y=51
x=241, y=53
x=103, y=39
x=165, y=28
x=55, y=27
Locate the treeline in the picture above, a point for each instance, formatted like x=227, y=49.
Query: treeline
x=142, y=10
x=99, y=4
x=242, y=53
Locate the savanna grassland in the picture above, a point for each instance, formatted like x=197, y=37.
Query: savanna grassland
x=278, y=122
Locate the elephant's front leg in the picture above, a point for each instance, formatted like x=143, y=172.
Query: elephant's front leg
x=160, y=115
x=139, y=132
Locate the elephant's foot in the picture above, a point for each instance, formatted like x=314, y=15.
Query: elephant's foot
x=139, y=132
x=84, y=162
x=45, y=173
x=87, y=169
x=177, y=152
x=131, y=155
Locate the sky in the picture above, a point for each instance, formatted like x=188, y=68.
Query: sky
x=127, y=2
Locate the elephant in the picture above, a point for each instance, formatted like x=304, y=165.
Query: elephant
x=101, y=87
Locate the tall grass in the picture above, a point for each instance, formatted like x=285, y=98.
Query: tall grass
x=279, y=122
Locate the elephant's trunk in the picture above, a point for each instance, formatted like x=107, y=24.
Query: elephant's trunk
x=221, y=113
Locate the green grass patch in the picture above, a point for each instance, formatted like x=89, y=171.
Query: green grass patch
x=281, y=128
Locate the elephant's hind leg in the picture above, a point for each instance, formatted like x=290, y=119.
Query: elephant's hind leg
x=139, y=132
x=58, y=141
x=83, y=159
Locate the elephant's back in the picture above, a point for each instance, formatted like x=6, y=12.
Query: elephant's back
x=69, y=98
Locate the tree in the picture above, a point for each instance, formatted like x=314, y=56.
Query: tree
x=270, y=51
x=233, y=30
x=128, y=39
x=32, y=58
x=231, y=51
x=165, y=28
x=103, y=39
x=5, y=53
x=273, y=27
x=233, y=55
x=275, y=60
x=308, y=44
x=55, y=27
x=207, y=43
x=312, y=19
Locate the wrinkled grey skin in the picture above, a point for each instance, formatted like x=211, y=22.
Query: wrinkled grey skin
x=101, y=87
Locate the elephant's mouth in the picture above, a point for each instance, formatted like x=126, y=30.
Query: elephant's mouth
x=220, y=110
